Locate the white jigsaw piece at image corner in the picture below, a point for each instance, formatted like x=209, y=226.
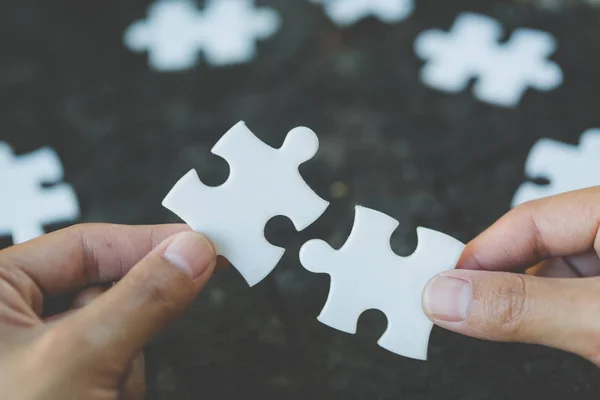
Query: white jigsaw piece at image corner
x=176, y=31
x=25, y=205
x=367, y=274
x=264, y=182
x=348, y=12
x=567, y=167
x=503, y=72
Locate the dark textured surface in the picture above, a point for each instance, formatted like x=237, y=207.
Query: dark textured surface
x=448, y=162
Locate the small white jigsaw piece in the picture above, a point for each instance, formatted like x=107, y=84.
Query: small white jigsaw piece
x=25, y=205
x=567, y=167
x=348, y=12
x=226, y=31
x=503, y=71
x=264, y=182
x=367, y=274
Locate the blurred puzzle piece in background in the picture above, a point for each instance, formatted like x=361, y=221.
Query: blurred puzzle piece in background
x=503, y=72
x=567, y=167
x=225, y=31
x=25, y=205
x=348, y=12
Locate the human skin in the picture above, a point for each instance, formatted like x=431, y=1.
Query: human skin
x=94, y=350
x=556, y=303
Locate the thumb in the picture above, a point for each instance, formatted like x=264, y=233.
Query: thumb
x=150, y=296
x=507, y=307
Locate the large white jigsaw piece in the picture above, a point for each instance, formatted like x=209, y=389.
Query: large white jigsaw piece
x=503, y=72
x=25, y=205
x=567, y=167
x=348, y=12
x=226, y=31
x=367, y=274
x=264, y=182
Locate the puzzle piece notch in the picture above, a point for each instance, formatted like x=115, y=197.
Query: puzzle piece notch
x=366, y=274
x=567, y=167
x=176, y=31
x=503, y=72
x=348, y=12
x=263, y=183
x=26, y=206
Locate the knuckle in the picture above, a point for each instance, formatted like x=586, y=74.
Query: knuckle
x=505, y=306
x=19, y=288
x=525, y=209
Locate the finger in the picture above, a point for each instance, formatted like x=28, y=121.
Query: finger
x=557, y=226
x=88, y=295
x=19, y=292
x=73, y=258
x=134, y=386
x=508, y=307
x=82, y=299
x=585, y=265
x=556, y=268
x=134, y=382
x=579, y=266
x=155, y=292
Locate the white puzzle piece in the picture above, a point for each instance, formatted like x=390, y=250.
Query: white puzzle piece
x=25, y=205
x=263, y=183
x=348, y=12
x=367, y=274
x=176, y=31
x=567, y=167
x=503, y=72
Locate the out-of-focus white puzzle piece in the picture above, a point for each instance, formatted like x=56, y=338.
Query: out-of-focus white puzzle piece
x=472, y=50
x=348, y=12
x=367, y=274
x=226, y=32
x=25, y=205
x=264, y=182
x=567, y=167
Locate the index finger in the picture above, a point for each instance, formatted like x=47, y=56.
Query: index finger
x=75, y=257
x=556, y=226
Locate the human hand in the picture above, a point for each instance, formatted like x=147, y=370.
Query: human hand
x=94, y=350
x=560, y=237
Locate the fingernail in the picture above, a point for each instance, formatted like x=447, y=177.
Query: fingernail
x=447, y=298
x=191, y=252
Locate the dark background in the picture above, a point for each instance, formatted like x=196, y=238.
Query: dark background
x=444, y=161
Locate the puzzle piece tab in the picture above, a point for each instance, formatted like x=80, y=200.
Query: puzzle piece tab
x=264, y=182
x=367, y=274
x=25, y=205
x=503, y=72
x=567, y=167
x=226, y=31
x=348, y=12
